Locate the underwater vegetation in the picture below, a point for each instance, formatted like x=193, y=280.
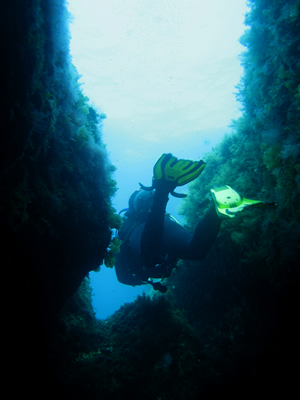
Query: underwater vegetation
x=245, y=292
x=228, y=324
x=145, y=349
x=56, y=179
x=260, y=159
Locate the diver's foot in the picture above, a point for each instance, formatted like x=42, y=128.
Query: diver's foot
x=169, y=172
x=228, y=202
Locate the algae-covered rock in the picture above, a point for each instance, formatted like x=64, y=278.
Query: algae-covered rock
x=55, y=174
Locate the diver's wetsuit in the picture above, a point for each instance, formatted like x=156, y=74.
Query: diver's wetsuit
x=154, y=246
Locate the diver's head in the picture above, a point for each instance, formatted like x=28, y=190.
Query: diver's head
x=140, y=202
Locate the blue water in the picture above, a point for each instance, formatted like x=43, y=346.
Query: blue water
x=109, y=294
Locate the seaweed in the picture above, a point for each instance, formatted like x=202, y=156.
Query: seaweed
x=56, y=178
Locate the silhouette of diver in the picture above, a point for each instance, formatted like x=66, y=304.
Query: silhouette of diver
x=153, y=241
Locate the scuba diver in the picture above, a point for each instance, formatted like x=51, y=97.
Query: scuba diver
x=153, y=241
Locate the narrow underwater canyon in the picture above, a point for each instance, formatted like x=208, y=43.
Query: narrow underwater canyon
x=228, y=324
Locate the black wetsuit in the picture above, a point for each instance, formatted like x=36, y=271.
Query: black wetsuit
x=152, y=247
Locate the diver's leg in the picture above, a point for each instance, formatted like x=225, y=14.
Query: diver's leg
x=205, y=234
x=152, y=235
x=168, y=173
